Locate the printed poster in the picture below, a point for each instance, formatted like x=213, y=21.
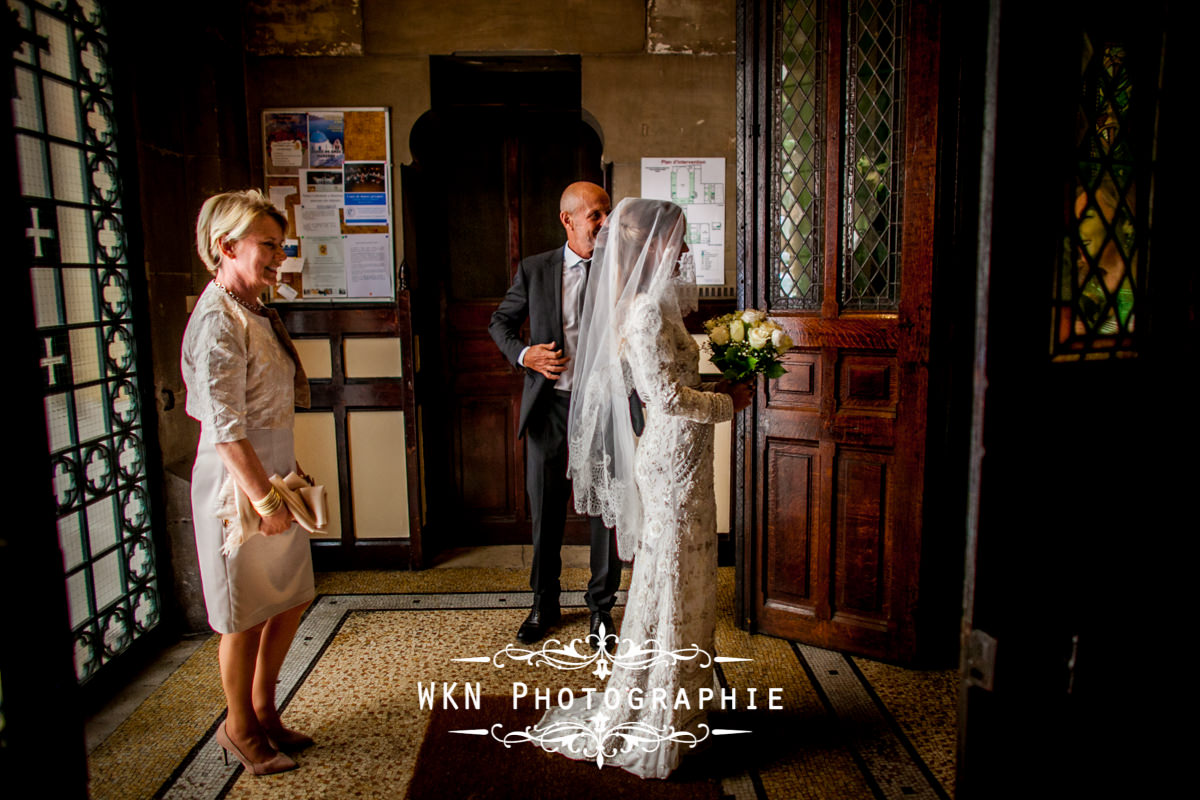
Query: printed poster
x=698, y=186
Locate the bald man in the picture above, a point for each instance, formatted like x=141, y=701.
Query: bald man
x=548, y=290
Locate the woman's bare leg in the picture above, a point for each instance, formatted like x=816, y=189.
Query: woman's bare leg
x=237, y=655
x=277, y=635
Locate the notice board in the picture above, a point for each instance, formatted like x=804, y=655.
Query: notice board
x=328, y=170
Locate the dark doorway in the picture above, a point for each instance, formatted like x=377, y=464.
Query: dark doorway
x=503, y=138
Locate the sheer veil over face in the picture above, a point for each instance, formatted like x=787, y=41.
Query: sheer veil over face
x=637, y=255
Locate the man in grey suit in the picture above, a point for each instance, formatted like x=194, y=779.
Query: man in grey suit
x=548, y=290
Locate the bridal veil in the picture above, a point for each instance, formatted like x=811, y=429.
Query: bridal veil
x=637, y=254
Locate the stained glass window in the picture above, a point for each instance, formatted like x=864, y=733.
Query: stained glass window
x=798, y=282
x=874, y=110
x=80, y=277
x=1100, y=273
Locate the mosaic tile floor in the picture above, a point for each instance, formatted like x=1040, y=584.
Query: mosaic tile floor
x=849, y=727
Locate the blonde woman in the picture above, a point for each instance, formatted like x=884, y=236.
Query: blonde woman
x=243, y=380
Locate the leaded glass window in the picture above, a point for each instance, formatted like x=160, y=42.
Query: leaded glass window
x=870, y=135
x=1100, y=273
x=80, y=278
x=798, y=280
x=874, y=108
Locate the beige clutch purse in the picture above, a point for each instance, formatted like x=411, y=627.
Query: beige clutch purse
x=305, y=501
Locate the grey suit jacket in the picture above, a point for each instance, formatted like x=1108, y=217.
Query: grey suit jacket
x=536, y=294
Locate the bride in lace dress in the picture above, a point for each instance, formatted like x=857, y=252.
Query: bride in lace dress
x=658, y=492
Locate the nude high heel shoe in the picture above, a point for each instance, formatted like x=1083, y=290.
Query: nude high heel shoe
x=289, y=741
x=280, y=763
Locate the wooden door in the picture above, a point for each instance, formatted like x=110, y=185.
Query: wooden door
x=841, y=112
x=504, y=138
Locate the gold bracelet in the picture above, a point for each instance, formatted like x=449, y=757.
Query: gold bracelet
x=269, y=504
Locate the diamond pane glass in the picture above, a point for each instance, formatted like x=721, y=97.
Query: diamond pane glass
x=63, y=111
x=870, y=275
x=1102, y=261
x=795, y=281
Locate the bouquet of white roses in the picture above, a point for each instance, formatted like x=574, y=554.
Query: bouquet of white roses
x=746, y=342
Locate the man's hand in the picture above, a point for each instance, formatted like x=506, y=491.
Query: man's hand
x=545, y=359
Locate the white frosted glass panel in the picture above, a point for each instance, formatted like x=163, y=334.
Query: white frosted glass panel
x=106, y=577
x=314, y=355
x=58, y=426
x=62, y=112
x=89, y=413
x=31, y=161
x=102, y=528
x=79, y=296
x=316, y=450
x=378, y=474
x=85, y=354
x=45, y=300
x=69, y=541
x=67, y=169
x=74, y=236
x=58, y=60
x=376, y=357
x=77, y=598
x=25, y=104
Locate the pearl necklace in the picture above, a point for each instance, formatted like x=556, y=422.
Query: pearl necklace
x=259, y=309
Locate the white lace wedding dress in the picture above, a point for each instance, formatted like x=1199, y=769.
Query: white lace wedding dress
x=672, y=597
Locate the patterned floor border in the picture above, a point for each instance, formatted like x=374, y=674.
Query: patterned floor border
x=888, y=761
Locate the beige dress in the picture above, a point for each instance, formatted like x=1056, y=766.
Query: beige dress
x=240, y=386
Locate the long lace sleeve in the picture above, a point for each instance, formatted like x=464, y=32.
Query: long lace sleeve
x=657, y=374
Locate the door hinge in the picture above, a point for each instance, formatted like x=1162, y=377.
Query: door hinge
x=981, y=660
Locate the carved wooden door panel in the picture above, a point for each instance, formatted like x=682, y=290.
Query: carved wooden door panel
x=841, y=176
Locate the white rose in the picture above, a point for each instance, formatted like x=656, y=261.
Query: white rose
x=751, y=316
x=719, y=336
x=759, y=338
x=737, y=331
x=781, y=340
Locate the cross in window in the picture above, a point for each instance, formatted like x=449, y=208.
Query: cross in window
x=97, y=469
x=92, y=62
x=51, y=362
x=37, y=233
x=97, y=120
x=109, y=237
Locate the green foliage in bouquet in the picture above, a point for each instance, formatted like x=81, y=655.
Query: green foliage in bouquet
x=746, y=342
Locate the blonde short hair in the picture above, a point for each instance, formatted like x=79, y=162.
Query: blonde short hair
x=227, y=217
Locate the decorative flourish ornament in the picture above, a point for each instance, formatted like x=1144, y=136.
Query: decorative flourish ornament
x=569, y=657
x=597, y=741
